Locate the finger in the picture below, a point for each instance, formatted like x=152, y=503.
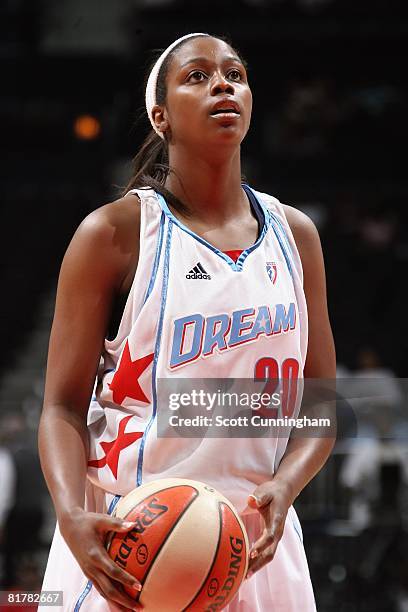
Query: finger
x=117, y=573
x=99, y=558
x=259, y=546
x=253, y=501
x=101, y=592
x=262, y=559
x=274, y=526
x=108, y=523
x=113, y=592
x=261, y=496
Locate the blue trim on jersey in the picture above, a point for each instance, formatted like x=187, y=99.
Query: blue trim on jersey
x=89, y=584
x=235, y=266
x=108, y=370
x=156, y=351
x=284, y=233
x=156, y=258
x=83, y=595
x=281, y=244
x=113, y=503
x=295, y=527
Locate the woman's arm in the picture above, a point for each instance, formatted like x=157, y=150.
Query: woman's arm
x=96, y=267
x=304, y=456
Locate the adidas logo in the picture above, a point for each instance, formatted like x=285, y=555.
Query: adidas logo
x=198, y=272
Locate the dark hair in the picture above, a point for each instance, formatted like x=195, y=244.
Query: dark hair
x=151, y=163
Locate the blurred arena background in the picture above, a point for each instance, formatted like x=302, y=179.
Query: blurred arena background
x=328, y=135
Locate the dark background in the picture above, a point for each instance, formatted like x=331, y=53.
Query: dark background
x=328, y=136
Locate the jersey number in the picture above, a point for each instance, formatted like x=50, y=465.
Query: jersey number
x=285, y=378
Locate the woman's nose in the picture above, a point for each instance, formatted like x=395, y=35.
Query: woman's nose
x=221, y=85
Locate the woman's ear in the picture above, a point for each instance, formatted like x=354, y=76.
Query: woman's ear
x=160, y=120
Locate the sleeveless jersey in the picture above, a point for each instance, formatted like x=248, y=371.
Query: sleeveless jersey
x=194, y=313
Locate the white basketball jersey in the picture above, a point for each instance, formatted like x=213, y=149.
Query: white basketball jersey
x=194, y=313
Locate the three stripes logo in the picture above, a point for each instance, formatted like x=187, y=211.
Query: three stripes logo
x=198, y=272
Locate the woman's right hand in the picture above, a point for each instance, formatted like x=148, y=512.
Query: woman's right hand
x=85, y=533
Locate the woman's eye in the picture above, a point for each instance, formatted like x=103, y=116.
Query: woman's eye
x=234, y=75
x=197, y=75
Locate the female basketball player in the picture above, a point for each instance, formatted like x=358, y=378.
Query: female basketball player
x=234, y=269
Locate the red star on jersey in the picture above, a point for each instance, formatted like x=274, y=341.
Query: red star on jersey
x=125, y=382
x=112, y=449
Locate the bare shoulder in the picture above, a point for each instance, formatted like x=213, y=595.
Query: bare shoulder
x=107, y=240
x=303, y=229
x=118, y=220
x=307, y=239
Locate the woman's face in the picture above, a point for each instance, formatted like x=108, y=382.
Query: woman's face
x=208, y=97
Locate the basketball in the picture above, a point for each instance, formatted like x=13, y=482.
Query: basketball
x=189, y=548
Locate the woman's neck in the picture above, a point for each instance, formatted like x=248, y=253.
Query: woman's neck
x=209, y=188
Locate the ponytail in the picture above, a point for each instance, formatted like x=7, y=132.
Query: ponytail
x=151, y=169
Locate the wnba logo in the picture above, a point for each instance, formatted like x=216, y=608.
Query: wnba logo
x=272, y=271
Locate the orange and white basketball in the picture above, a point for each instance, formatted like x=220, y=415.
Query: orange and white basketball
x=189, y=548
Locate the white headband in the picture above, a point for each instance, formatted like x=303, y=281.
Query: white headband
x=152, y=80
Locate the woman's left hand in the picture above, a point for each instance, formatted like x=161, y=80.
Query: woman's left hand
x=272, y=499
